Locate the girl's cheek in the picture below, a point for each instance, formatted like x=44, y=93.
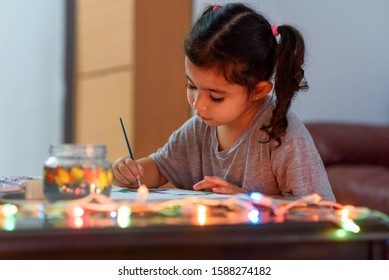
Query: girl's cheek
x=190, y=98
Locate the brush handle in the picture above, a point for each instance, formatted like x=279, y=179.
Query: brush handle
x=130, y=151
x=128, y=143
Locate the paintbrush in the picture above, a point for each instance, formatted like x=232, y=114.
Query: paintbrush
x=130, y=151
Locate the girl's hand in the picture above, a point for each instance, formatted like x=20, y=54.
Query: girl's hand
x=125, y=172
x=217, y=185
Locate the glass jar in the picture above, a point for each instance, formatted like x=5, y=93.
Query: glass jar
x=74, y=171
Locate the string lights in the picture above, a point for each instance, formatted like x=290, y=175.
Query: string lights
x=251, y=208
x=7, y=216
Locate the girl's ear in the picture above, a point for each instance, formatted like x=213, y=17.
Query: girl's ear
x=262, y=89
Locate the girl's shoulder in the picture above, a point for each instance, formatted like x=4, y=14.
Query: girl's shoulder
x=296, y=129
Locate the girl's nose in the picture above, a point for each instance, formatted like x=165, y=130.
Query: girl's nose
x=199, y=101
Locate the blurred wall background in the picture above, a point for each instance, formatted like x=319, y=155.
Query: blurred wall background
x=32, y=84
x=347, y=69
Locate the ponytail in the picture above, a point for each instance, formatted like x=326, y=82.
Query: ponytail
x=289, y=78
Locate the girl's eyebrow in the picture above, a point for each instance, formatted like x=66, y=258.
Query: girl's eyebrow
x=208, y=89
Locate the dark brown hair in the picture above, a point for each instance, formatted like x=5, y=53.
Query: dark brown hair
x=239, y=43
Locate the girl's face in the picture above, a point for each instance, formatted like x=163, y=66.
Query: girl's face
x=215, y=100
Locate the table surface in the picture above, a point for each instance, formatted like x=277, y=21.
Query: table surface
x=221, y=234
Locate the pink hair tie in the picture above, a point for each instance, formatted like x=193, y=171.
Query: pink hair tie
x=216, y=7
x=274, y=29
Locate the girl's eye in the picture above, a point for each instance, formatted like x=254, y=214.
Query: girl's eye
x=190, y=87
x=217, y=100
x=213, y=99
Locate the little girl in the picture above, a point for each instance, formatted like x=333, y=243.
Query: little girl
x=241, y=138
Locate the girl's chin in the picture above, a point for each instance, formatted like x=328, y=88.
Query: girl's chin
x=211, y=123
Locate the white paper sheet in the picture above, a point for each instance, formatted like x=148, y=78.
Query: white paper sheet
x=118, y=193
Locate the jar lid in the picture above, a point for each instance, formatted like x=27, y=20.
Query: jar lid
x=78, y=150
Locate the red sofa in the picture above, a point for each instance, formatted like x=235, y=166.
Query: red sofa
x=356, y=157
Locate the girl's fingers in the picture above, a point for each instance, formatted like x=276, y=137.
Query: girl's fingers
x=119, y=180
x=125, y=171
x=221, y=186
x=217, y=181
x=141, y=170
x=210, y=182
x=221, y=190
x=203, y=185
x=121, y=174
x=135, y=169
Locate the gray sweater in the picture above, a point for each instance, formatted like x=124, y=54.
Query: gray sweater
x=294, y=168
